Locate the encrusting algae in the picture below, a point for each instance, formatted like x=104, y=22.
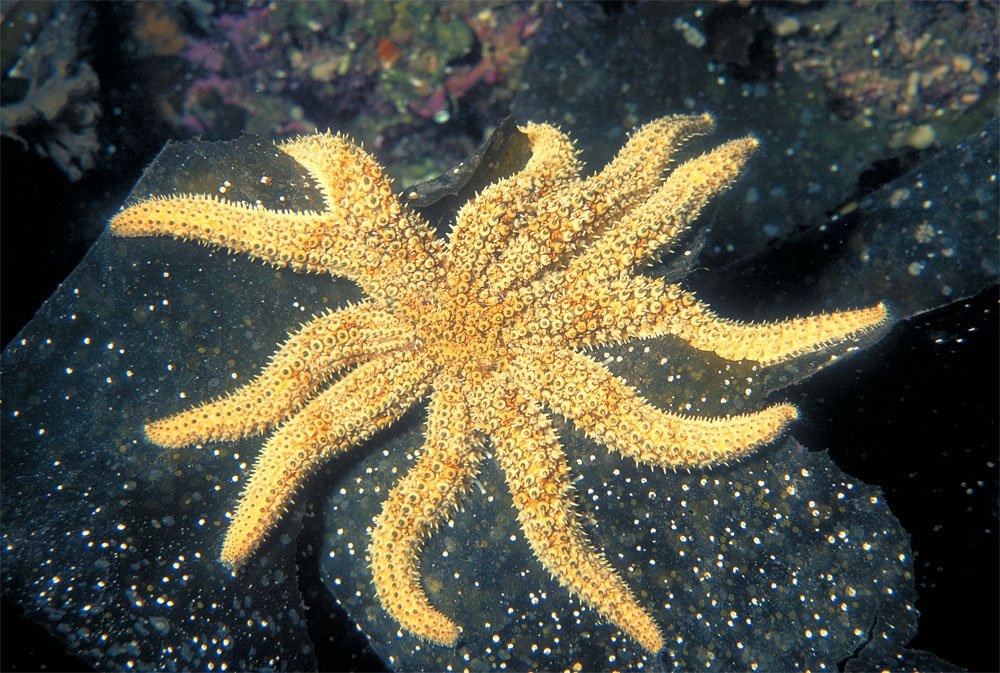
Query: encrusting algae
x=494, y=325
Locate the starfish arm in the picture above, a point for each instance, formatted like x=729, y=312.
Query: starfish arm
x=637, y=307
x=538, y=477
x=392, y=245
x=308, y=358
x=611, y=412
x=578, y=212
x=485, y=223
x=347, y=413
x=637, y=169
x=678, y=312
x=301, y=240
x=604, y=313
x=415, y=507
x=665, y=214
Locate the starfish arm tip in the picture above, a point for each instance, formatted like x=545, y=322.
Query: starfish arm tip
x=163, y=434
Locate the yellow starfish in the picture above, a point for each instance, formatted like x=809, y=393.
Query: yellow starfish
x=493, y=324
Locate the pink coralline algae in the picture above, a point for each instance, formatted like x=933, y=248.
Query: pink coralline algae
x=296, y=66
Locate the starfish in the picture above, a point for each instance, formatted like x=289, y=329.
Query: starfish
x=494, y=325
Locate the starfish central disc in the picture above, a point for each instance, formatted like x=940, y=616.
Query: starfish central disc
x=461, y=335
x=493, y=325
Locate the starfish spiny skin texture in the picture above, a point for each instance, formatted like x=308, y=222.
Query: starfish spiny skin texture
x=493, y=325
